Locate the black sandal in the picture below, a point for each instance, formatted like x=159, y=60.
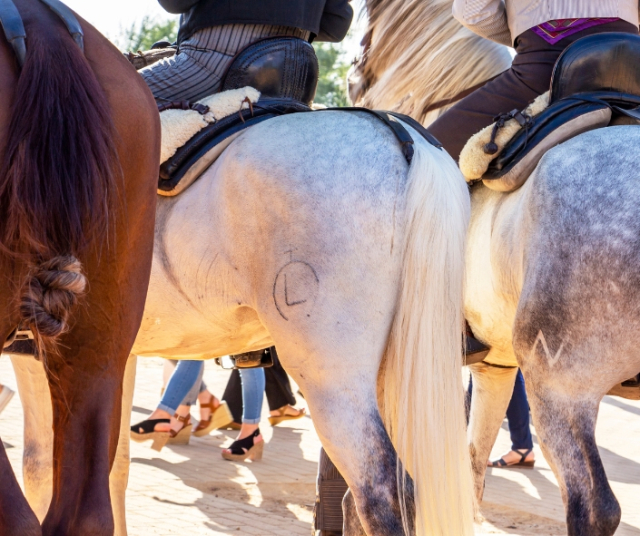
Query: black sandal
x=144, y=429
x=521, y=463
x=245, y=448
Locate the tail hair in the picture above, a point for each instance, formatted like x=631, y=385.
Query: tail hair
x=422, y=395
x=59, y=176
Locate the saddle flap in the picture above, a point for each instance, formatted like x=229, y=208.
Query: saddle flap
x=511, y=170
x=596, y=63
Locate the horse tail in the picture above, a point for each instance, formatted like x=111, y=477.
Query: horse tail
x=422, y=398
x=59, y=177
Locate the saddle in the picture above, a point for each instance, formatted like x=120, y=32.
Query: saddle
x=284, y=73
x=284, y=70
x=595, y=84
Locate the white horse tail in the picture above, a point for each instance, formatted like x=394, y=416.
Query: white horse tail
x=422, y=400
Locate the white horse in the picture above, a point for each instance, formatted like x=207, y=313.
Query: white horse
x=312, y=233
x=552, y=269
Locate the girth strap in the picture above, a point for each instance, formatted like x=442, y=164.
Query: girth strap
x=15, y=33
x=13, y=28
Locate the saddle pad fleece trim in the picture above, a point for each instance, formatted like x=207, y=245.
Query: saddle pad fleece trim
x=474, y=162
x=197, y=163
x=515, y=176
x=179, y=126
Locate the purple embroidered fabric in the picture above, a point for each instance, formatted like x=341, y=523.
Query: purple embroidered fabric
x=556, y=30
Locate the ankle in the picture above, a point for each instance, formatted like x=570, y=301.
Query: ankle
x=159, y=414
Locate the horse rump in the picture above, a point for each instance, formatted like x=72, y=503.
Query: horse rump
x=60, y=173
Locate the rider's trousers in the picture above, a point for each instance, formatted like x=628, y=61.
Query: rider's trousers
x=528, y=77
x=197, y=70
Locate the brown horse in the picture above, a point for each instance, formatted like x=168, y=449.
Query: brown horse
x=79, y=139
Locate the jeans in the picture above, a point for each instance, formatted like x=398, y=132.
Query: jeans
x=253, y=383
x=277, y=389
x=183, y=387
x=517, y=415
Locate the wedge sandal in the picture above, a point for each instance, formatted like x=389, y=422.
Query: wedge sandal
x=220, y=417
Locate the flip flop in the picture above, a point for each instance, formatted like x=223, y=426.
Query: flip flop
x=522, y=463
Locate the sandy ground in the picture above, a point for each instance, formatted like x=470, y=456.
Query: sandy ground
x=192, y=490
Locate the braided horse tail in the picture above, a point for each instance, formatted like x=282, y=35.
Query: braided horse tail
x=58, y=179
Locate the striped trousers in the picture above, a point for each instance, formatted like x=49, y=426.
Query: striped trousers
x=196, y=71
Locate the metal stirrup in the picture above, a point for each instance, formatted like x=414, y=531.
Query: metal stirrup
x=69, y=19
x=13, y=28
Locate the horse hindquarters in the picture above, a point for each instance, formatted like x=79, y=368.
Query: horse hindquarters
x=334, y=353
x=79, y=183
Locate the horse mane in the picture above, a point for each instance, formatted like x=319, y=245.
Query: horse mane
x=418, y=55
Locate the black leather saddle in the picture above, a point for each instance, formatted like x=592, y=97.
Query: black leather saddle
x=596, y=74
x=285, y=71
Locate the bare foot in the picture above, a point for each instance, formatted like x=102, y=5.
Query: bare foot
x=175, y=424
x=512, y=457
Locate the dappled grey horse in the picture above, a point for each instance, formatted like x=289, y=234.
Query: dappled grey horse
x=553, y=285
x=312, y=232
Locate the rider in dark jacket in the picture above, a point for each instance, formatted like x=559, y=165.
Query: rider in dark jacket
x=326, y=20
x=213, y=32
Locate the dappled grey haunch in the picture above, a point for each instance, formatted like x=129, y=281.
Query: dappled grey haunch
x=312, y=232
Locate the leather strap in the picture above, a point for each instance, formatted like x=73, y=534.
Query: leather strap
x=13, y=28
x=69, y=19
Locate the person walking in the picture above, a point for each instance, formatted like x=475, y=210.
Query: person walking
x=172, y=417
x=521, y=453
x=278, y=391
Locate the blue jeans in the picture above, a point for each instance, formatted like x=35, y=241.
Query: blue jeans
x=253, y=383
x=517, y=415
x=183, y=387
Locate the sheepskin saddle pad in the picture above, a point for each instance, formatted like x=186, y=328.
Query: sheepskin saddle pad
x=595, y=84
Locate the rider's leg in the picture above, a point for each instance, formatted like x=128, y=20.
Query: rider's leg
x=196, y=71
x=529, y=77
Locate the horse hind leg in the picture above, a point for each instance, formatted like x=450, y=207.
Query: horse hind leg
x=342, y=399
x=564, y=407
x=566, y=429
x=37, y=463
x=492, y=390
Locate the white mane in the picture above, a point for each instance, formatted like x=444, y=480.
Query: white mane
x=420, y=55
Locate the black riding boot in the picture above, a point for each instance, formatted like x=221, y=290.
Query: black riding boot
x=474, y=350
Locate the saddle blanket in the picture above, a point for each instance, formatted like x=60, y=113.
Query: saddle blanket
x=179, y=126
